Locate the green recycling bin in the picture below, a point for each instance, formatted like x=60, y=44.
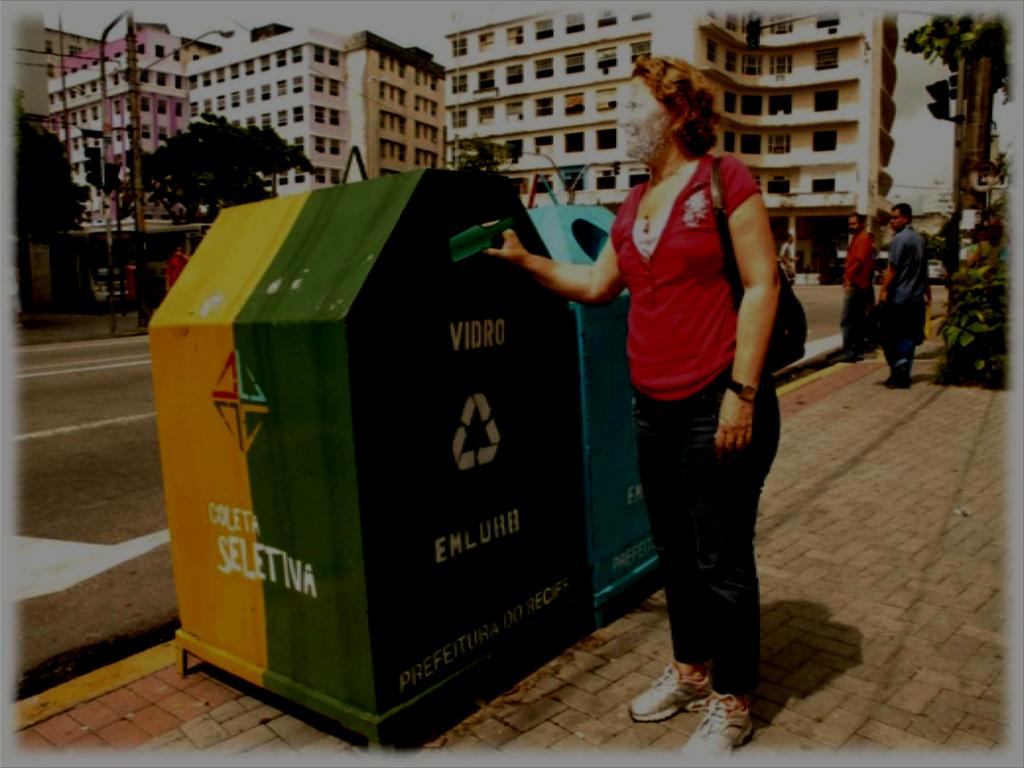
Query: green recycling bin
x=621, y=553
x=369, y=436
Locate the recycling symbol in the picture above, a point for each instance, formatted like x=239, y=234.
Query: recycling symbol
x=467, y=459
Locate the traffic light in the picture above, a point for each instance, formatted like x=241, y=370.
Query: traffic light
x=753, y=32
x=941, y=91
x=93, y=167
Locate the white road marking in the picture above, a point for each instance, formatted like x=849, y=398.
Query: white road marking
x=93, y=344
x=90, y=425
x=38, y=366
x=81, y=370
x=44, y=566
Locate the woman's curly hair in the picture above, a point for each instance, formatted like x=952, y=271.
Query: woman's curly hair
x=687, y=95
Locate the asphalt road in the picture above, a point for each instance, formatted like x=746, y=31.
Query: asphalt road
x=92, y=567
x=89, y=490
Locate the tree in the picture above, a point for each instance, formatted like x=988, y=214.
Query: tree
x=215, y=164
x=48, y=202
x=949, y=39
x=476, y=154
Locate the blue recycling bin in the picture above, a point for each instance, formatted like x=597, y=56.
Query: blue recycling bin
x=621, y=552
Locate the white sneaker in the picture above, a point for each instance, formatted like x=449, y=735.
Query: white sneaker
x=667, y=695
x=726, y=725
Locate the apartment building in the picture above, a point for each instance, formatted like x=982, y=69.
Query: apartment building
x=396, y=105
x=810, y=112
x=75, y=100
x=295, y=81
x=64, y=43
x=548, y=84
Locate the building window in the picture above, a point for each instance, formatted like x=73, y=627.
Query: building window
x=485, y=80
x=607, y=58
x=574, y=141
x=780, y=65
x=144, y=102
x=282, y=58
x=333, y=87
x=780, y=104
x=826, y=58
x=574, y=63
x=544, y=68
x=250, y=66
x=515, y=148
x=220, y=103
x=319, y=114
x=194, y=107
x=282, y=87
x=485, y=40
x=640, y=16
x=543, y=141
x=207, y=105
x=161, y=106
x=335, y=175
x=729, y=141
x=250, y=95
x=751, y=64
x=221, y=75
x=605, y=181
x=250, y=121
x=207, y=81
x=265, y=92
x=485, y=115
x=778, y=185
x=750, y=143
x=318, y=84
x=335, y=118
x=297, y=115
x=514, y=74
x=828, y=20
x=607, y=19
x=321, y=176
x=779, y=26
x=319, y=144
x=300, y=178
x=751, y=105
x=606, y=99
x=823, y=185
x=574, y=104
x=161, y=79
x=264, y=63
x=778, y=144
x=544, y=29
x=824, y=141
x=711, y=49
x=607, y=138
x=282, y=117
x=282, y=180
x=318, y=54
x=729, y=101
x=730, y=61
x=732, y=22
x=459, y=46
x=296, y=54
x=639, y=50
x=298, y=84
x=459, y=118
x=826, y=101
x=574, y=23
x=545, y=106
x=514, y=35
x=265, y=120
x=514, y=110
x=460, y=84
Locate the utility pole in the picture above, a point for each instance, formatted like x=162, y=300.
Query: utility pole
x=104, y=111
x=64, y=88
x=140, y=209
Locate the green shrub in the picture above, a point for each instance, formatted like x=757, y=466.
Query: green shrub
x=975, y=328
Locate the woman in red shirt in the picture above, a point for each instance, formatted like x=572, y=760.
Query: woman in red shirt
x=706, y=414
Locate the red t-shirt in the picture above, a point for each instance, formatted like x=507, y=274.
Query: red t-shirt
x=859, y=262
x=682, y=319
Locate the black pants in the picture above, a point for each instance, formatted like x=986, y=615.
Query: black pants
x=703, y=512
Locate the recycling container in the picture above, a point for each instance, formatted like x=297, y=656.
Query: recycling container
x=621, y=556
x=369, y=439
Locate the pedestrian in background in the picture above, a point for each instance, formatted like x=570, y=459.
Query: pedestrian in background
x=175, y=265
x=787, y=256
x=906, y=294
x=706, y=414
x=858, y=295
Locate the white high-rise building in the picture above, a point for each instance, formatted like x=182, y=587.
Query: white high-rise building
x=810, y=112
x=548, y=84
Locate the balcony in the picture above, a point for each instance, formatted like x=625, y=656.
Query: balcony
x=888, y=75
x=884, y=183
x=888, y=111
x=885, y=146
x=850, y=71
x=890, y=35
x=774, y=201
x=800, y=118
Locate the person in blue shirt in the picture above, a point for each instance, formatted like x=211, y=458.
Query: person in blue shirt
x=906, y=293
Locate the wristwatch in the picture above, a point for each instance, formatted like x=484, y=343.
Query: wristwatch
x=745, y=391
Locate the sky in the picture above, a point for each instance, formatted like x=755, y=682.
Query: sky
x=923, y=152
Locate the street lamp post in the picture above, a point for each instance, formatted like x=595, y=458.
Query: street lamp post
x=103, y=169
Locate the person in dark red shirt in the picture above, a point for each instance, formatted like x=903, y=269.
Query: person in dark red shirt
x=858, y=295
x=706, y=413
x=175, y=265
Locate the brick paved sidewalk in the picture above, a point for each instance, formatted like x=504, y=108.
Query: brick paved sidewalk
x=882, y=545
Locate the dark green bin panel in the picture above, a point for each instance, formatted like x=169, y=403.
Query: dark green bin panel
x=620, y=550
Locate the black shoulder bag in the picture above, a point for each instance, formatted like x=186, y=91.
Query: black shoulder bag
x=790, y=330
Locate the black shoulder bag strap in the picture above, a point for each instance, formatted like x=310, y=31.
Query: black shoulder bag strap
x=722, y=224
